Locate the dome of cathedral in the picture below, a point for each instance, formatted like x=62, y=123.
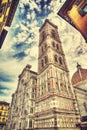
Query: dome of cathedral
x=79, y=75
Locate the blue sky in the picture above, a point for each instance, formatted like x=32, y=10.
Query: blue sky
x=21, y=44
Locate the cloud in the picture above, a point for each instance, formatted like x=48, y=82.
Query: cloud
x=2, y=87
x=4, y=77
x=4, y=90
x=19, y=56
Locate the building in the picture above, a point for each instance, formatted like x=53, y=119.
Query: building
x=79, y=81
x=75, y=13
x=46, y=100
x=21, y=114
x=56, y=107
x=4, y=106
x=7, y=11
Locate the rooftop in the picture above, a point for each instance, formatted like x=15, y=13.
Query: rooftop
x=4, y=103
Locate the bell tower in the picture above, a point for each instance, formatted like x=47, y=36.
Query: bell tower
x=50, y=49
x=56, y=107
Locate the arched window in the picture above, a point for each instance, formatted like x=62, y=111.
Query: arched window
x=22, y=81
x=43, y=35
x=42, y=49
x=31, y=110
x=53, y=34
x=55, y=58
x=30, y=123
x=45, y=45
x=53, y=44
x=48, y=86
x=60, y=60
x=85, y=106
x=20, y=125
x=57, y=46
x=46, y=59
x=42, y=63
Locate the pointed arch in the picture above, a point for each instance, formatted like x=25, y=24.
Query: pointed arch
x=57, y=46
x=53, y=44
x=30, y=123
x=46, y=59
x=43, y=35
x=42, y=49
x=60, y=60
x=55, y=58
x=42, y=62
x=53, y=34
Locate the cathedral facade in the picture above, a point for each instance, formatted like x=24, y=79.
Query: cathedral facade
x=22, y=109
x=45, y=100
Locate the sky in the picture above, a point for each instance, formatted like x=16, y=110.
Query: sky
x=21, y=44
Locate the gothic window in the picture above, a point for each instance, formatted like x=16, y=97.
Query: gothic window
x=30, y=123
x=31, y=110
x=22, y=81
x=43, y=35
x=57, y=85
x=32, y=95
x=44, y=87
x=48, y=86
x=42, y=63
x=45, y=46
x=53, y=34
x=25, y=84
x=60, y=60
x=42, y=49
x=61, y=84
x=46, y=59
x=57, y=46
x=55, y=58
x=53, y=44
x=33, y=89
x=85, y=106
x=42, y=92
x=31, y=103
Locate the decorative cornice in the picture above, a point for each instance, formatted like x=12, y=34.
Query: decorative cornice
x=52, y=94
